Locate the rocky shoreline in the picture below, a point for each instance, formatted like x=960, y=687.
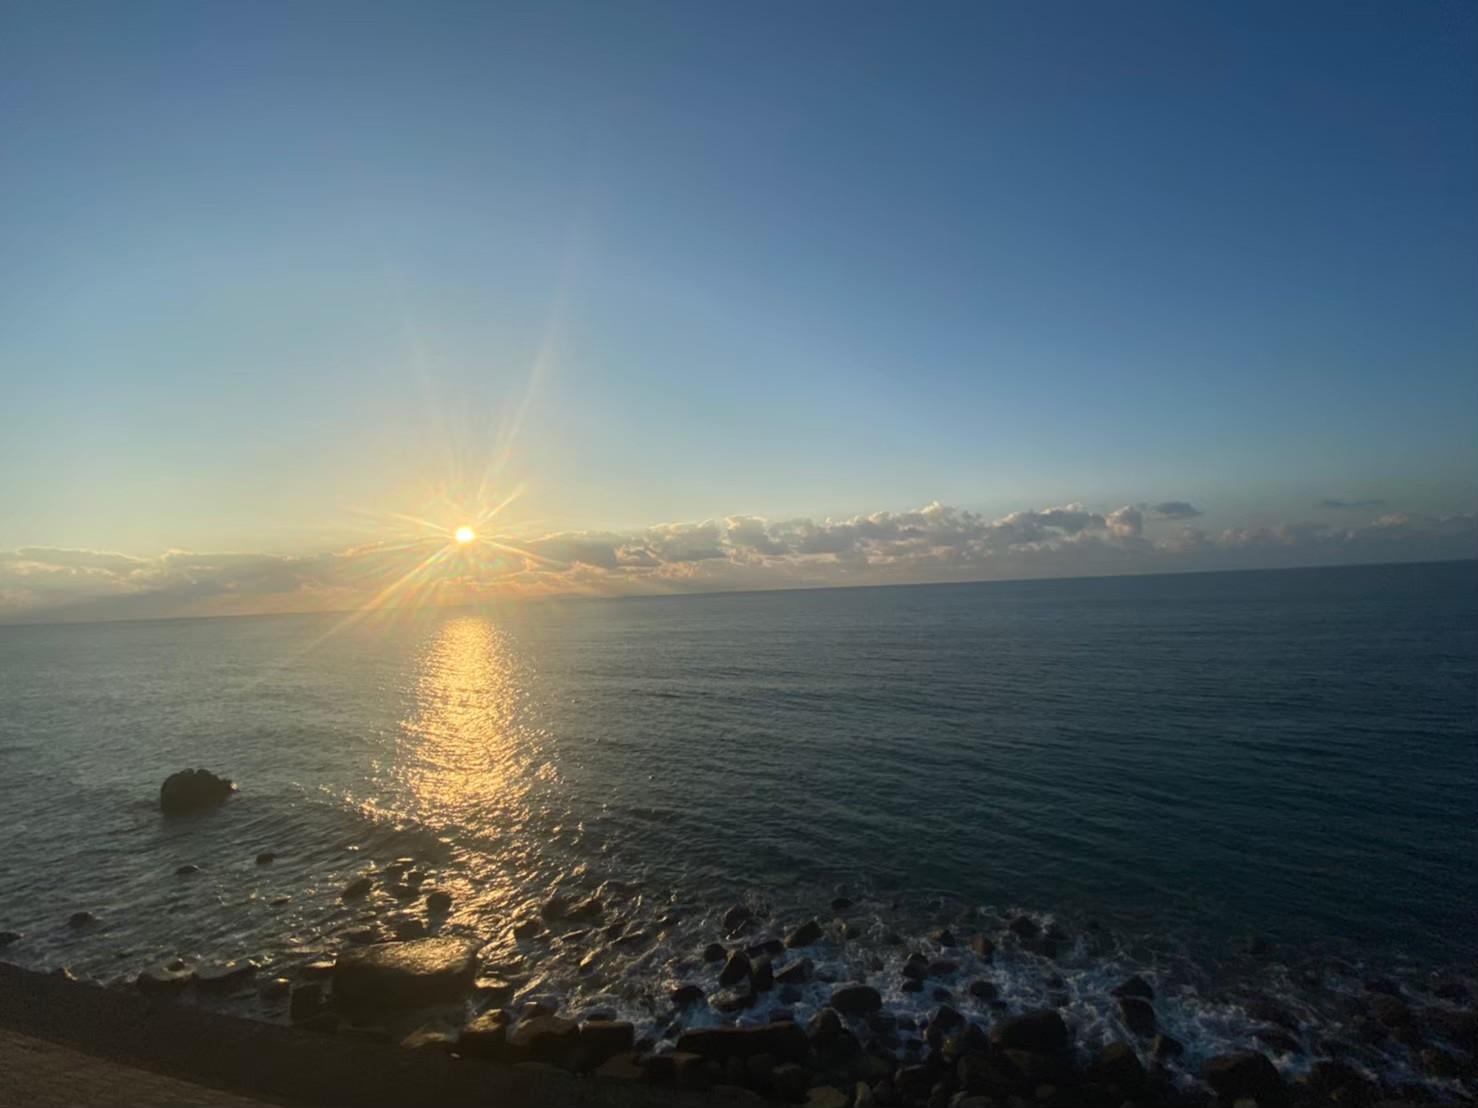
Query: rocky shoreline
x=806, y=1013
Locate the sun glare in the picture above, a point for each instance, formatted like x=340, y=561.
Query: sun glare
x=464, y=535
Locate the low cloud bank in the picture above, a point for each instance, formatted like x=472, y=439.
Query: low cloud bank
x=931, y=544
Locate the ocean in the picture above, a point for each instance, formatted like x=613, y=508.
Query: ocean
x=1241, y=785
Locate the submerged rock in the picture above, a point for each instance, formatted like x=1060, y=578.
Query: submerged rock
x=1244, y=1074
x=186, y=870
x=1139, y=1015
x=405, y=975
x=736, y=917
x=856, y=1000
x=807, y=934
x=8, y=937
x=81, y=919
x=190, y=790
x=265, y=858
x=163, y=979
x=1135, y=986
x=358, y=887
x=439, y=902
x=223, y=976
x=1040, y=1032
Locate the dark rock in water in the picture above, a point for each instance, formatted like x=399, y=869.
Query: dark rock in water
x=1120, y=1068
x=279, y=901
x=275, y=988
x=1166, y=1046
x=911, y=985
x=1265, y=1009
x=1135, y=986
x=486, y=1037
x=761, y=975
x=1390, y=1011
x=941, y=994
x=840, y=904
x=945, y=938
x=81, y=919
x=551, y=1039
x=527, y=929
x=983, y=990
x=602, y=1039
x=946, y=1018
x=790, y=1081
x=8, y=937
x=358, y=887
x=1041, y=1032
x=714, y=952
x=893, y=938
x=684, y=995
x=266, y=858
x=411, y=928
x=220, y=977
x=916, y=966
x=186, y=870
x=737, y=916
x=190, y=790
x=1453, y=990
x=162, y=979
x=824, y=1023
x=405, y=975
x=1280, y=1041
x=983, y=947
x=588, y=909
x=941, y=967
x=782, y=1041
x=856, y=1000
x=806, y=934
x=553, y=908
x=736, y=969
x=306, y=1002
x=770, y=947
x=439, y=902
x=729, y=1001
x=1244, y=1074
x=1139, y=1015
x=1024, y=927
x=796, y=973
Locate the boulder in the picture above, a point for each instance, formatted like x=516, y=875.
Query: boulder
x=984, y=949
x=190, y=790
x=356, y=888
x=1041, y=1032
x=714, y=952
x=761, y=975
x=602, y=1039
x=736, y=917
x=266, y=858
x=1024, y=927
x=1135, y=986
x=551, y=1039
x=790, y=1080
x=223, y=977
x=81, y=919
x=439, y=902
x=1139, y=1015
x=405, y=975
x=983, y=990
x=826, y=1096
x=1120, y=1068
x=305, y=1003
x=796, y=973
x=856, y=1000
x=736, y=969
x=807, y=934
x=1165, y=1046
x=684, y=995
x=783, y=1041
x=1242, y=1074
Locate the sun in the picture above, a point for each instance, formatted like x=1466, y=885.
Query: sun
x=464, y=535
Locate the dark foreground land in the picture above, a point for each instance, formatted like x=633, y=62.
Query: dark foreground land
x=65, y=1042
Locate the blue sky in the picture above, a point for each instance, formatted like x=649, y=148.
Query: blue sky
x=272, y=272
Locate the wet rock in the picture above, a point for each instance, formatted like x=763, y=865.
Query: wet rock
x=730, y=1001
x=222, y=977
x=8, y=937
x=1165, y=1047
x=1024, y=927
x=409, y=928
x=983, y=947
x=320, y=967
x=714, y=952
x=1265, y=1009
x=81, y=919
x=1451, y=989
x=409, y=974
x=762, y=975
x=279, y=901
x=945, y=937
x=305, y=1003
x=623, y=1067
x=736, y=969
x=941, y=967
x=266, y=858
x=588, y=909
x=163, y=979
x=1244, y=1074
x=983, y=990
x=527, y=929
x=1280, y=1041
x=736, y=917
x=807, y=934
x=684, y=995
x=1041, y=1032
x=796, y=973
x=1135, y=986
x=856, y=1000
x=679, y=1068
x=191, y=790
x=945, y=1018
x=1391, y=1011
x=602, y=1039
x=916, y=966
x=824, y=1023
x=356, y=888
x=550, y=1039
x=765, y=948
x=840, y=904
x=790, y=1080
x=186, y=870
x=892, y=938
x=911, y=985
x=553, y=908
x=783, y=1041
x=826, y=1096
x=275, y=989
x=759, y=1071
x=1138, y=1015
x=1120, y=1068
x=439, y=902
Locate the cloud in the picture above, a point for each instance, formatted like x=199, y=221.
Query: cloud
x=1352, y=503
x=933, y=543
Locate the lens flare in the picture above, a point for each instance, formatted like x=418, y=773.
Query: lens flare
x=464, y=535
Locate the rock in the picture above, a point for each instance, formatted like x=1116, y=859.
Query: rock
x=190, y=790
x=527, y=929
x=826, y=1096
x=714, y=952
x=8, y=937
x=736, y=969
x=602, y=1039
x=1135, y=986
x=186, y=870
x=276, y=988
x=840, y=903
x=429, y=1038
x=916, y=966
x=736, y=917
x=685, y=1070
x=759, y=1070
x=1139, y=1015
x=410, y=928
x=781, y=1040
x=405, y=975
x=163, y=979
x=266, y=858
x=551, y=1039
x=856, y=1000
x=1280, y=1041
x=306, y=1002
x=1119, y=1067
x=81, y=919
x=553, y=908
x=796, y=973
x=983, y=990
x=807, y=934
x=588, y=909
x=764, y=947
x=684, y=995
x=730, y=1001
x=356, y=888
x=439, y=902
x=1244, y=1074
x=790, y=1081
x=623, y=1067
x=221, y=977
x=941, y=967
x=1024, y=927
x=945, y=1018
x=983, y=947
x=824, y=1023
x=1165, y=1046
x=761, y=975
x=1041, y=1032
x=1267, y=1010
x=1390, y=1011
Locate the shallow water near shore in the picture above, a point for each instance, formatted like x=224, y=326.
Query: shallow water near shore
x=1164, y=767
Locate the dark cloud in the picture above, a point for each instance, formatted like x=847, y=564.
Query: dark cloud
x=1175, y=509
x=1352, y=503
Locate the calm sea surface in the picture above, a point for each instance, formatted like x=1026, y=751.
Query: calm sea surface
x=1163, y=765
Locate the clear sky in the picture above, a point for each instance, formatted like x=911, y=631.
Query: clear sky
x=271, y=274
